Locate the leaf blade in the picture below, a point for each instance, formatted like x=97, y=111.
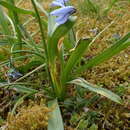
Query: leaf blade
x=107, y=54
x=102, y=91
x=16, y=9
x=54, y=37
x=55, y=122
x=75, y=57
x=23, y=89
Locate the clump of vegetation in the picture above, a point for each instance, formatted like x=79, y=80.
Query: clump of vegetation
x=73, y=71
x=29, y=118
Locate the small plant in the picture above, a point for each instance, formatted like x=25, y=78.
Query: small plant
x=62, y=62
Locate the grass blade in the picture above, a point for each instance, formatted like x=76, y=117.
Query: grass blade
x=16, y=9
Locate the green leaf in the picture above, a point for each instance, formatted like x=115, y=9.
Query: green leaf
x=4, y=22
x=67, y=45
x=76, y=55
x=32, y=64
x=55, y=122
x=3, y=42
x=23, y=89
x=54, y=37
x=51, y=25
x=104, y=92
x=15, y=20
x=18, y=10
x=4, y=25
x=107, y=54
x=72, y=37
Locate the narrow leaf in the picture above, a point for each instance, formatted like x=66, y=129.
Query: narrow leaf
x=15, y=20
x=4, y=24
x=23, y=89
x=59, y=32
x=104, y=92
x=55, y=122
x=76, y=55
x=107, y=54
x=3, y=42
x=16, y=9
x=51, y=25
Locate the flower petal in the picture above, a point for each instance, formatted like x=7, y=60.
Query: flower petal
x=56, y=3
x=62, y=19
x=64, y=10
x=62, y=1
x=59, y=3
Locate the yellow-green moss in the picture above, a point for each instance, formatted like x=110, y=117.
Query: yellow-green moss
x=30, y=118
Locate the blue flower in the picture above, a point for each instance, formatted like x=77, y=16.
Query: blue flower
x=59, y=3
x=63, y=14
x=13, y=74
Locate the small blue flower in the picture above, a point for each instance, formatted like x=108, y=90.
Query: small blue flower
x=63, y=14
x=59, y=3
x=14, y=74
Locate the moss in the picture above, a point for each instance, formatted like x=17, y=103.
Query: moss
x=30, y=118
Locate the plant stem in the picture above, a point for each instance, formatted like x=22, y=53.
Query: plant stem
x=58, y=89
x=43, y=39
x=41, y=28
